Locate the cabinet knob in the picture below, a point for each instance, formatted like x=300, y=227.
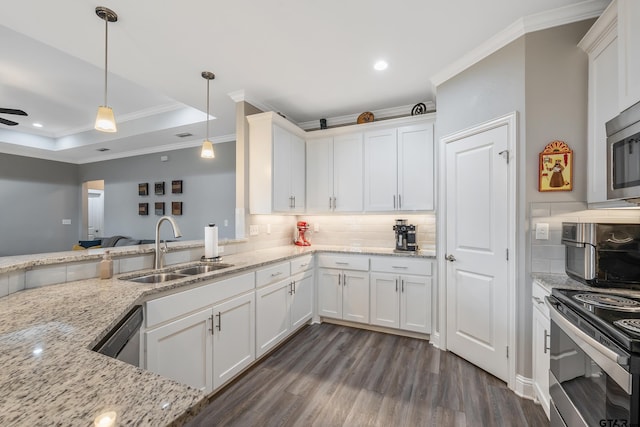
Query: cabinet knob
x=450, y=258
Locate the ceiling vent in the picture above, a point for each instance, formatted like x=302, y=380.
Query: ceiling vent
x=103, y=149
x=184, y=134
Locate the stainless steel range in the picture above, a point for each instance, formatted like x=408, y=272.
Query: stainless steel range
x=594, y=378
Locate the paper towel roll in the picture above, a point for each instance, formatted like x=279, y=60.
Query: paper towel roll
x=211, y=241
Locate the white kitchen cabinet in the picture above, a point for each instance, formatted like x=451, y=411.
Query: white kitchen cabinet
x=400, y=299
x=343, y=292
x=398, y=169
x=335, y=174
x=541, y=333
x=281, y=308
x=629, y=52
x=182, y=350
x=601, y=44
x=277, y=165
x=233, y=337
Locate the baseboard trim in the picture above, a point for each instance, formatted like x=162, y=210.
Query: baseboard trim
x=524, y=387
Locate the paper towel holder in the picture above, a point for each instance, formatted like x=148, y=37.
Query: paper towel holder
x=212, y=259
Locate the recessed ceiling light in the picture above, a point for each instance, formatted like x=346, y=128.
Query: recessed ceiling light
x=381, y=65
x=37, y=125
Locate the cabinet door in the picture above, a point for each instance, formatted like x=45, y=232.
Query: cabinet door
x=319, y=175
x=541, y=330
x=298, y=173
x=234, y=341
x=380, y=171
x=629, y=53
x=282, y=162
x=415, y=168
x=302, y=299
x=355, y=296
x=603, y=106
x=330, y=293
x=385, y=305
x=182, y=350
x=415, y=303
x=272, y=315
x=348, y=173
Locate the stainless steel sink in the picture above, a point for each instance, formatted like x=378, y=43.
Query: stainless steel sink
x=201, y=269
x=157, y=277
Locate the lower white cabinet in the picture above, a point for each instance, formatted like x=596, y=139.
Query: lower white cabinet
x=206, y=348
x=343, y=294
x=540, y=345
x=401, y=301
x=281, y=308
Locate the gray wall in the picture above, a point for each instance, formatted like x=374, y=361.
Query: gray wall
x=36, y=195
x=209, y=192
x=542, y=76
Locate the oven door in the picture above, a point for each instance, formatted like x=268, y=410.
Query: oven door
x=580, y=261
x=589, y=383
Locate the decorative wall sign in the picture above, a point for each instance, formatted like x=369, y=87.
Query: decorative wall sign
x=159, y=208
x=555, y=169
x=159, y=188
x=176, y=187
x=143, y=189
x=143, y=208
x=176, y=208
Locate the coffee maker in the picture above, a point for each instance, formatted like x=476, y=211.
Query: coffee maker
x=405, y=236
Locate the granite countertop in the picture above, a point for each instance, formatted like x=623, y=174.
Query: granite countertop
x=550, y=281
x=49, y=374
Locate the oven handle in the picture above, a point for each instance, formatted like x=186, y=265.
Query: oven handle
x=577, y=335
x=608, y=360
x=574, y=244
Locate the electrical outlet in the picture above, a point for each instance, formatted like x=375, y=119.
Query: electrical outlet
x=226, y=222
x=268, y=228
x=542, y=231
x=66, y=222
x=316, y=227
x=254, y=230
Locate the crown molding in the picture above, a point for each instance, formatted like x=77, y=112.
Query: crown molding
x=241, y=95
x=540, y=21
x=382, y=114
x=604, y=28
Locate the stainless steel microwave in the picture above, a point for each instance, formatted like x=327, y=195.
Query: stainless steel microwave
x=623, y=155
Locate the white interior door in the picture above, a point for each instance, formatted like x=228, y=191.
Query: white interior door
x=95, y=214
x=477, y=206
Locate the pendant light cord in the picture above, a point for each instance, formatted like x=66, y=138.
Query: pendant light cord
x=106, y=47
x=208, y=109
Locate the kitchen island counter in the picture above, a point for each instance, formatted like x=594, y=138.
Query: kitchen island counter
x=51, y=376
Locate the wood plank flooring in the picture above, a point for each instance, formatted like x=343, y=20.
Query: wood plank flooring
x=330, y=375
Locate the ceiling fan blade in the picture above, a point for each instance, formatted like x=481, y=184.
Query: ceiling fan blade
x=8, y=122
x=13, y=111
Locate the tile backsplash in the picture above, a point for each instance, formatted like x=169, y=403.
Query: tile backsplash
x=547, y=256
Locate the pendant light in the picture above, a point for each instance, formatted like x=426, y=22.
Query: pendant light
x=105, y=121
x=207, y=146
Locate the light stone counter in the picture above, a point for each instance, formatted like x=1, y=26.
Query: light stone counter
x=50, y=376
x=550, y=281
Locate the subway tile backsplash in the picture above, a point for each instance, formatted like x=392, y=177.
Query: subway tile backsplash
x=547, y=256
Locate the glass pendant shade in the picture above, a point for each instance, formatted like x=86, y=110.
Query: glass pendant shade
x=207, y=150
x=105, y=121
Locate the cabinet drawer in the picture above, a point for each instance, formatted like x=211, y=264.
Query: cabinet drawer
x=273, y=274
x=538, y=292
x=166, y=308
x=344, y=262
x=402, y=265
x=302, y=263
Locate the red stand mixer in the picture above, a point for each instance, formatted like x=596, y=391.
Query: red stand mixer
x=302, y=226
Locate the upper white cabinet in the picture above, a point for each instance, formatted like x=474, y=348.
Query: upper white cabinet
x=629, y=52
x=398, y=169
x=601, y=44
x=334, y=174
x=276, y=165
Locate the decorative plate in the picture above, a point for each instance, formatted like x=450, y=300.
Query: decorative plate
x=365, y=117
x=419, y=108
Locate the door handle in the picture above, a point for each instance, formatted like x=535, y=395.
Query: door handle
x=450, y=258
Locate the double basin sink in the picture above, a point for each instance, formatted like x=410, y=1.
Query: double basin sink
x=178, y=273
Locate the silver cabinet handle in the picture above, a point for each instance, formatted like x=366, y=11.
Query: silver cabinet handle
x=294, y=286
x=340, y=279
x=334, y=203
x=276, y=274
x=344, y=279
x=399, y=201
x=450, y=258
x=212, y=324
x=294, y=201
x=401, y=285
x=394, y=201
x=538, y=300
x=396, y=284
x=341, y=263
x=546, y=338
x=404, y=267
x=329, y=203
x=291, y=288
x=219, y=315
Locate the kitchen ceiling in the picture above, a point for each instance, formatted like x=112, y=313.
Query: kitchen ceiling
x=308, y=60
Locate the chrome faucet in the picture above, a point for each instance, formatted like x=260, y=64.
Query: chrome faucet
x=159, y=262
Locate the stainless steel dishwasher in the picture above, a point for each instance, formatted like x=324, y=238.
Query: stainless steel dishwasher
x=123, y=341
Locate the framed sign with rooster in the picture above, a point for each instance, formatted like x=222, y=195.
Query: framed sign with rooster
x=555, y=169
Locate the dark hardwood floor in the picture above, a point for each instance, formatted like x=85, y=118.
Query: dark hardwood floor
x=329, y=375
